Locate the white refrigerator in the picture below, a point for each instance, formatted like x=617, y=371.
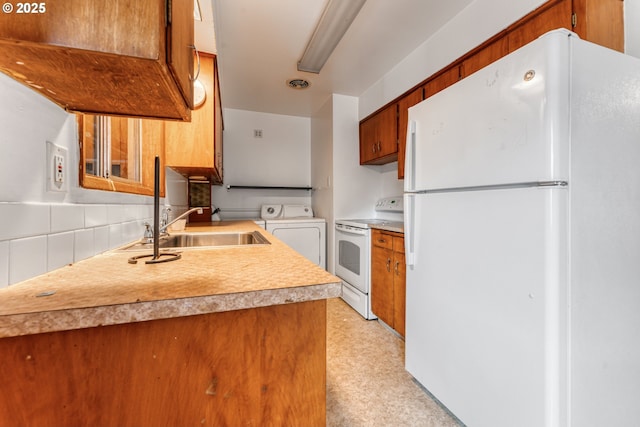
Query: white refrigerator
x=522, y=233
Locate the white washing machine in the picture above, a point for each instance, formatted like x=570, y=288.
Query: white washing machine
x=296, y=226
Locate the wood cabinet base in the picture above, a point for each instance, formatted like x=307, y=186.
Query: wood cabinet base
x=256, y=367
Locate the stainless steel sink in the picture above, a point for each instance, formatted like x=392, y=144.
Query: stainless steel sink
x=202, y=240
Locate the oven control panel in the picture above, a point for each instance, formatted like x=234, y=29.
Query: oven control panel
x=390, y=204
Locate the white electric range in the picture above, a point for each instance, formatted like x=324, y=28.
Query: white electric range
x=353, y=252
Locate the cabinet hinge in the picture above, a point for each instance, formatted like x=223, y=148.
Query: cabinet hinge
x=574, y=20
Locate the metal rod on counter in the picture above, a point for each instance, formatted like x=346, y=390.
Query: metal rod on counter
x=156, y=255
x=156, y=209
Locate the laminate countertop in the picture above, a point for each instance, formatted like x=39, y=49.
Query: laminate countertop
x=395, y=226
x=107, y=290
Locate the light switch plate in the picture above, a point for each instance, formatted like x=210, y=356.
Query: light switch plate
x=57, y=167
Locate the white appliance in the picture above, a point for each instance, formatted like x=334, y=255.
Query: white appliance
x=297, y=227
x=522, y=232
x=353, y=252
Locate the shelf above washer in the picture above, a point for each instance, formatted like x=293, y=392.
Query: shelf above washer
x=265, y=187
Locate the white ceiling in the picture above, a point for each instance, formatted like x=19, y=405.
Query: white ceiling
x=259, y=43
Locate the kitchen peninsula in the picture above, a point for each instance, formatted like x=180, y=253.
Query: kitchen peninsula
x=223, y=336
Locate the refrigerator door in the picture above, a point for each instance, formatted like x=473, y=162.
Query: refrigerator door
x=485, y=304
x=507, y=123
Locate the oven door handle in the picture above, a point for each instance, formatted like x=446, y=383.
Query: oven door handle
x=347, y=229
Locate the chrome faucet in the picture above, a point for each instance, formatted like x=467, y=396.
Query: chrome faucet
x=165, y=217
x=163, y=228
x=148, y=231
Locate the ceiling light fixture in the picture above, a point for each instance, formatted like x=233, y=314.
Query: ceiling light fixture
x=334, y=22
x=298, y=83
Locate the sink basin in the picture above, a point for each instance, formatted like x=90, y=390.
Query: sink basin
x=203, y=240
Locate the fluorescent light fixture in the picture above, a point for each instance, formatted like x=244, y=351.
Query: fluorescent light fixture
x=334, y=22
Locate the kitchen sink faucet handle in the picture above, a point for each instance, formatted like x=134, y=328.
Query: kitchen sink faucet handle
x=165, y=217
x=148, y=232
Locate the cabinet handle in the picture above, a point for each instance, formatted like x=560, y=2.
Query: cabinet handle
x=379, y=146
x=373, y=148
x=381, y=241
x=389, y=264
x=397, y=266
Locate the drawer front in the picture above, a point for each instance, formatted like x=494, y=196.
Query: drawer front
x=383, y=240
x=398, y=244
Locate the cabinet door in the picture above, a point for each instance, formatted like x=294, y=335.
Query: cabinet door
x=379, y=137
x=180, y=46
x=399, y=286
x=191, y=146
x=388, y=131
x=218, y=128
x=382, y=284
x=485, y=56
x=368, y=140
x=558, y=15
x=601, y=22
x=403, y=121
x=442, y=81
x=116, y=57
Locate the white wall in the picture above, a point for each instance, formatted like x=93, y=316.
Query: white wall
x=343, y=188
x=282, y=157
x=42, y=230
x=322, y=168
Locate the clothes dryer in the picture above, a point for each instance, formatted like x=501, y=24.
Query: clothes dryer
x=296, y=226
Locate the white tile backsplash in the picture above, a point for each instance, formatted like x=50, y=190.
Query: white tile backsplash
x=4, y=264
x=115, y=236
x=83, y=244
x=23, y=220
x=101, y=239
x=27, y=258
x=36, y=238
x=132, y=230
x=95, y=215
x=115, y=214
x=59, y=250
x=66, y=217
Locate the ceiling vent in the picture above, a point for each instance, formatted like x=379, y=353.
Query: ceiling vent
x=298, y=83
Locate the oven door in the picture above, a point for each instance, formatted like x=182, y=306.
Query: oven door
x=352, y=256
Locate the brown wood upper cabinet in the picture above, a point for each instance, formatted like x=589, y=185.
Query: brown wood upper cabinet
x=379, y=137
x=557, y=14
x=195, y=148
x=118, y=57
x=598, y=21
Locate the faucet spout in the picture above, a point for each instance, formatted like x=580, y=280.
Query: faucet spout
x=163, y=229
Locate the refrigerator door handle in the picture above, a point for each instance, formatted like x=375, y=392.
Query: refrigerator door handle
x=409, y=227
x=410, y=155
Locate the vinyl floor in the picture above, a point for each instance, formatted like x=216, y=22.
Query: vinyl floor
x=367, y=385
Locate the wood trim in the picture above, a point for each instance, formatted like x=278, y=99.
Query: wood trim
x=153, y=144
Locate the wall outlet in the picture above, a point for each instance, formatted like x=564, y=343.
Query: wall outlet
x=56, y=169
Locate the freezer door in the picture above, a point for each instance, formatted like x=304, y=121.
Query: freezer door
x=486, y=304
x=507, y=123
